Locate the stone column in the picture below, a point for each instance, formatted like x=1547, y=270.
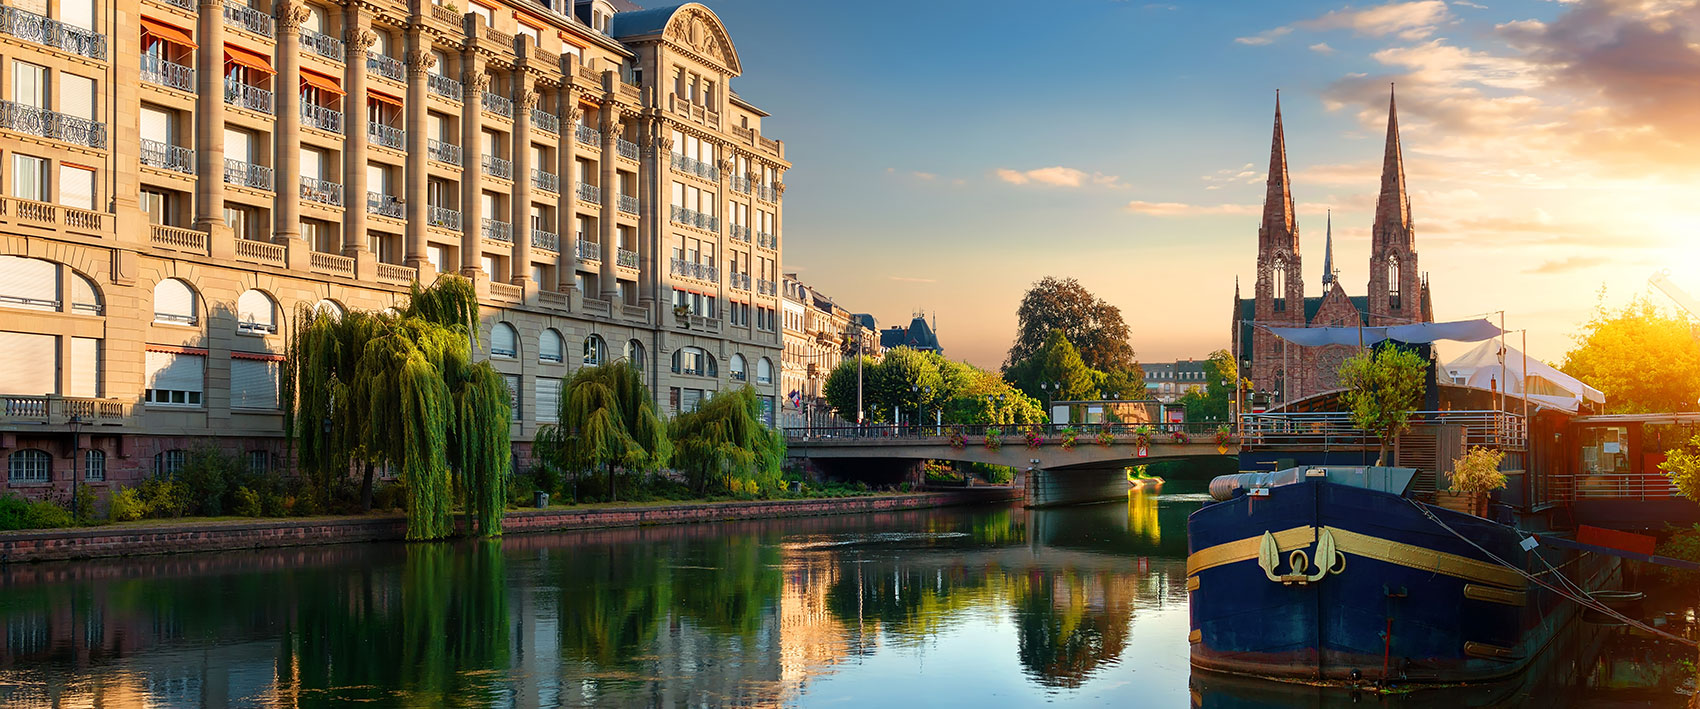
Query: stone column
x=419, y=63
x=360, y=40
x=287, y=138
x=566, y=269
x=653, y=227
x=525, y=99
x=475, y=81
x=610, y=273
x=209, y=118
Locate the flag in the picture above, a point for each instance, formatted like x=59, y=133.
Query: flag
x=796, y=399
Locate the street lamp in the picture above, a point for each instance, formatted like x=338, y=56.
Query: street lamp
x=992, y=401
x=76, y=470
x=921, y=393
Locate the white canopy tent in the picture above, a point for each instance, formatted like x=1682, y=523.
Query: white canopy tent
x=1547, y=387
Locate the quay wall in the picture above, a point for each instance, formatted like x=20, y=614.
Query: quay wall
x=169, y=538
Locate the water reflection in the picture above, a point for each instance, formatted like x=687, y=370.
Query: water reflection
x=995, y=607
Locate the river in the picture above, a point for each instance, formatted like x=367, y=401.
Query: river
x=980, y=607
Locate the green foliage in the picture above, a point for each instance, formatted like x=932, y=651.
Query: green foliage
x=1094, y=325
x=1682, y=544
x=1056, y=362
x=126, y=506
x=1213, y=402
x=959, y=392
x=1123, y=383
x=19, y=513
x=840, y=388
x=247, y=503
x=1383, y=387
x=895, y=381
x=724, y=447
x=607, y=421
x=1643, y=357
x=1478, y=471
x=1682, y=466
x=207, y=480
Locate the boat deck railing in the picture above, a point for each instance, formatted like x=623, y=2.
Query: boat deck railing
x=1614, y=486
x=1334, y=430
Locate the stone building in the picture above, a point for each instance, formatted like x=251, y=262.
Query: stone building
x=818, y=335
x=1169, y=381
x=1285, y=372
x=917, y=336
x=586, y=164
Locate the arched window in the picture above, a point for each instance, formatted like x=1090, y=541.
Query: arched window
x=504, y=342
x=328, y=307
x=29, y=466
x=636, y=356
x=737, y=368
x=694, y=361
x=1393, y=281
x=595, y=351
x=256, y=312
x=710, y=367
x=85, y=295
x=550, y=346
x=1278, y=276
x=94, y=465
x=174, y=302
x=167, y=463
x=29, y=283
x=440, y=67
x=315, y=19
x=764, y=371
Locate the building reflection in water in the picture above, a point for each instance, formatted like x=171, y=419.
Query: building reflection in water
x=734, y=614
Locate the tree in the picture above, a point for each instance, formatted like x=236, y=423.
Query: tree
x=840, y=389
x=1125, y=384
x=1682, y=466
x=896, y=382
x=1476, y=474
x=1057, y=362
x=1214, y=401
x=1383, y=387
x=724, y=447
x=1644, y=358
x=1093, y=325
x=985, y=398
x=607, y=420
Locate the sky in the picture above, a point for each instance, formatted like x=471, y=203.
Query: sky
x=949, y=153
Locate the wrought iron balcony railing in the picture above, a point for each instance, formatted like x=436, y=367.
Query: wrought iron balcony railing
x=387, y=136
x=322, y=118
x=626, y=149
x=384, y=205
x=497, y=167
x=498, y=104
x=247, y=174
x=243, y=95
x=387, y=67
x=30, y=27
x=314, y=189
x=589, y=192
x=442, y=217
x=545, y=240
x=52, y=124
x=628, y=204
x=495, y=230
x=546, y=181
x=587, y=250
x=444, y=86
x=322, y=44
x=546, y=121
x=247, y=18
x=156, y=70
x=443, y=152
x=587, y=135
x=168, y=157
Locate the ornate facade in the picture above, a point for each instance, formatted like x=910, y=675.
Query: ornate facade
x=1283, y=372
x=183, y=175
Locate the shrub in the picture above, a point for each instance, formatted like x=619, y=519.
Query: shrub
x=1000, y=474
x=14, y=512
x=47, y=514
x=247, y=503
x=208, y=478
x=127, y=506
x=163, y=498
x=1682, y=544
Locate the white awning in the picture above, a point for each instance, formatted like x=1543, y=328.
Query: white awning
x=1547, y=386
x=1416, y=333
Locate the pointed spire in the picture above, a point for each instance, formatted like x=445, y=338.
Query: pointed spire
x=1278, y=202
x=1328, y=275
x=1393, y=206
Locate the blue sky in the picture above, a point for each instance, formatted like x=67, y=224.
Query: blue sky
x=950, y=153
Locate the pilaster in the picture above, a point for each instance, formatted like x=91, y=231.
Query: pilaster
x=566, y=260
x=287, y=90
x=610, y=273
x=356, y=143
x=419, y=63
x=209, y=121
x=525, y=99
x=472, y=170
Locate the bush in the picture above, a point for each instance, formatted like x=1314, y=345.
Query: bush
x=1682, y=544
x=127, y=506
x=47, y=514
x=208, y=478
x=247, y=503
x=14, y=512
x=389, y=496
x=163, y=498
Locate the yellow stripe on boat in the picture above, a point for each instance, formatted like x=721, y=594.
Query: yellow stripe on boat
x=1246, y=549
x=1364, y=545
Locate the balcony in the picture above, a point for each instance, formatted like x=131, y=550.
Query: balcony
x=740, y=184
x=168, y=157
x=696, y=167
x=443, y=152
x=322, y=44
x=546, y=181
x=243, y=95
x=31, y=27
x=626, y=149
x=546, y=121
x=590, y=193
x=316, y=116
x=766, y=193
x=243, y=17
x=587, y=250
x=699, y=271
x=442, y=217
x=497, y=167
x=247, y=174
x=498, y=104
x=627, y=258
x=387, y=136
x=740, y=232
x=444, y=86
x=52, y=409
x=163, y=73
x=547, y=241
x=314, y=189
x=739, y=281
x=693, y=218
x=628, y=204
x=497, y=231
x=587, y=135
x=387, y=67
x=52, y=124
x=383, y=205
x=766, y=287
x=767, y=241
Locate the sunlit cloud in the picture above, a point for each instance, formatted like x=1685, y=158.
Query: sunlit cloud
x=1322, y=48
x=1056, y=176
x=1566, y=265
x=1406, y=20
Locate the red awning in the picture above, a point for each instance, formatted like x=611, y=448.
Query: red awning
x=167, y=32
x=248, y=58
x=382, y=97
x=320, y=82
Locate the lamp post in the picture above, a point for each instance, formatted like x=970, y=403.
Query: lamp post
x=76, y=469
x=992, y=401
x=921, y=393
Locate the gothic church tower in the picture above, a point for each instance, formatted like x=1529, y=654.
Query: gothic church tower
x=1395, y=284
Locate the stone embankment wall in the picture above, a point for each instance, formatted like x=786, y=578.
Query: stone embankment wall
x=168, y=538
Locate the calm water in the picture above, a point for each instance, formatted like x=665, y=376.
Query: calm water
x=960, y=607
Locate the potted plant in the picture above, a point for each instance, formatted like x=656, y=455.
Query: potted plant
x=1106, y=437
x=1035, y=439
x=1179, y=438
x=1069, y=436
x=994, y=438
x=958, y=441
x=1475, y=475
x=1142, y=437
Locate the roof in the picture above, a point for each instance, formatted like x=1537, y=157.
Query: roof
x=866, y=320
x=744, y=103
x=642, y=22
x=1245, y=311
x=918, y=336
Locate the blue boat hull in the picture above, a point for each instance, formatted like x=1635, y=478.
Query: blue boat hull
x=1402, y=598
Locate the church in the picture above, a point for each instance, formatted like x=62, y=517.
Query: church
x=1282, y=372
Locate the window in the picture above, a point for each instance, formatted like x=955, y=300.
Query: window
x=29, y=177
x=736, y=370
x=29, y=84
x=167, y=463
x=94, y=465
x=77, y=13
x=635, y=355
x=29, y=283
x=76, y=186
x=595, y=351
x=238, y=145
x=512, y=382
x=550, y=346
x=253, y=383
x=764, y=371
x=548, y=400
x=244, y=221
x=504, y=342
x=174, y=302
x=256, y=313
x=76, y=96
x=695, y=361
x=29, y=466
x=1393, y=281
x=484, y=12
x=85, y=367
x=32, y=364
x=532, y=32
x=175, y=378
x=328, y=307
x=259, y=461
x=1278, y=277
x=158, y=205
x=440, y=258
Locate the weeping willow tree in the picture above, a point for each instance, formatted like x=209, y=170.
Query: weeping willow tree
x=724, y=447
x=402, y=390
x=607, y=422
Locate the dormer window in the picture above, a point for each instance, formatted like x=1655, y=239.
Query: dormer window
x=602, y=16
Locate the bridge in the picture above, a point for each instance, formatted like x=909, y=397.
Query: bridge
x=1057, y=464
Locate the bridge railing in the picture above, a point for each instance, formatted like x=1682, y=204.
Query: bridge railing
x=1012, y=434
x=1614, y=486
x=1329, y=430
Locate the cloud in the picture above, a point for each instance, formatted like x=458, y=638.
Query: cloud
x=906, y=279
x=1406, y=20
x=1180, y=209
x=1322, y=48
x=1567, y=265
x=916, y=174
x=1056, y=176
x=1265, y=37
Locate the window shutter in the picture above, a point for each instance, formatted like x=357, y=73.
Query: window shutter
x=85, y=298
x=77, y=13
x=312, y=163
x=29, y=282
x=174, y=300
x=689, y=400
x=552, y=348
x=76, y=96
x=32, y=364
x=253, y=384
x=176, y=372
x=254, y=312
x=76, y=187
x=502, y=340
x=85, y=367
x=548, y=400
